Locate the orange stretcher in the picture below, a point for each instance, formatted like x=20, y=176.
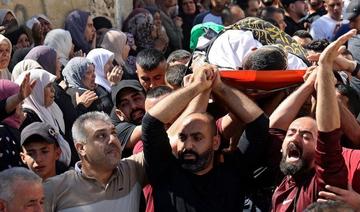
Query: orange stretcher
x=263, y=80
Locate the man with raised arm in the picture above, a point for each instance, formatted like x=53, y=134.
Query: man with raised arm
x=311, y=150
x=193, y=179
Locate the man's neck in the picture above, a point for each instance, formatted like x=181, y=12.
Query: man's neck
x=100, y=174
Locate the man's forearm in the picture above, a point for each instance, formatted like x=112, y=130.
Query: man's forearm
x=286, y=112
x=173, y=104
x=327, y=108
x=197, y=105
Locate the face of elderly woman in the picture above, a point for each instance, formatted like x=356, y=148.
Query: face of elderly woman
x=89, y=79
x=4, y=54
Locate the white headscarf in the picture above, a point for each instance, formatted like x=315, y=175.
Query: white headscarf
x=52, y=114
x=99, y=57
x=24, y=65
x=61, y=41
x=4, y=72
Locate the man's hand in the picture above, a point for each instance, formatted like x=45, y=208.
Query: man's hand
x=338, y=194
x=26, y=87
x=187, y=80
x=87, y=98
x=217, y=81
x=204, y=76
x=178, y=21
x=335, y=48
x=115, y=75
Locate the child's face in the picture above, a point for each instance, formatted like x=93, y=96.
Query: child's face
x=40, y=157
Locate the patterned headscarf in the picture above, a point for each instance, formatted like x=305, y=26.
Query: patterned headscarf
x=75, y=71
x=139, y=23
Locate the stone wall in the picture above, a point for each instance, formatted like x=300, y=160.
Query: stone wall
x=56, y=10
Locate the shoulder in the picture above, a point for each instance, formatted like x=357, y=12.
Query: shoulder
x=63, y=179
x=134, y=168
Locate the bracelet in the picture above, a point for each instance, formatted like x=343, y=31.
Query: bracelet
x=356, y=70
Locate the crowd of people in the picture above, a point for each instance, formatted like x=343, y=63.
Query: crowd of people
x=98, y=118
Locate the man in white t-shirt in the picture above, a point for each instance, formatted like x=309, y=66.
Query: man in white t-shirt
x=327, y=25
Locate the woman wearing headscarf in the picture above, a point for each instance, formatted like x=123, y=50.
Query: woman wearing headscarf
x=161, y=39
x=40, y=107
x=79, y=75
x=5, y=54
x=24, y=65
x=19, y=38
x=80, y=25
x=10, y=147
x=8, y=20
x=140, y=24
x=61, y=41
x=116, y=42
x=103, y=60
x=47, y=58
x=106, y=74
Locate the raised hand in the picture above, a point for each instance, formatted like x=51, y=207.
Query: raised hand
x=87, y=98
x=115, y=75
x=335, y=48
x=26, y=87
x=204, y=75
x=338, y=194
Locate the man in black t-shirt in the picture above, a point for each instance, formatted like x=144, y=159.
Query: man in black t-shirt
x=129, y=99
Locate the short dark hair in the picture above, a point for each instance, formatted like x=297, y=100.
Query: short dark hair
x=303, y=34
x=175, y=74
x=329, y=206
x=158, y=91
x=268, y=12
x=318, y=45
x=271, y=21
x=177, y=55
x=102, y=22
x=266, y=58
x=149, y=59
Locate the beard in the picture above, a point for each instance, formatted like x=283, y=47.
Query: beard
x=290, y=168
x=137, y=120
x=200, y=162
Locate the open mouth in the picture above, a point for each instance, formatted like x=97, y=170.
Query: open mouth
x=293, y=152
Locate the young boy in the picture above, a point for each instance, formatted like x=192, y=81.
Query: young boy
x=40, y=149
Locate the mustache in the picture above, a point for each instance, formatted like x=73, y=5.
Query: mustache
x=135, y=111
x=188, y=152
